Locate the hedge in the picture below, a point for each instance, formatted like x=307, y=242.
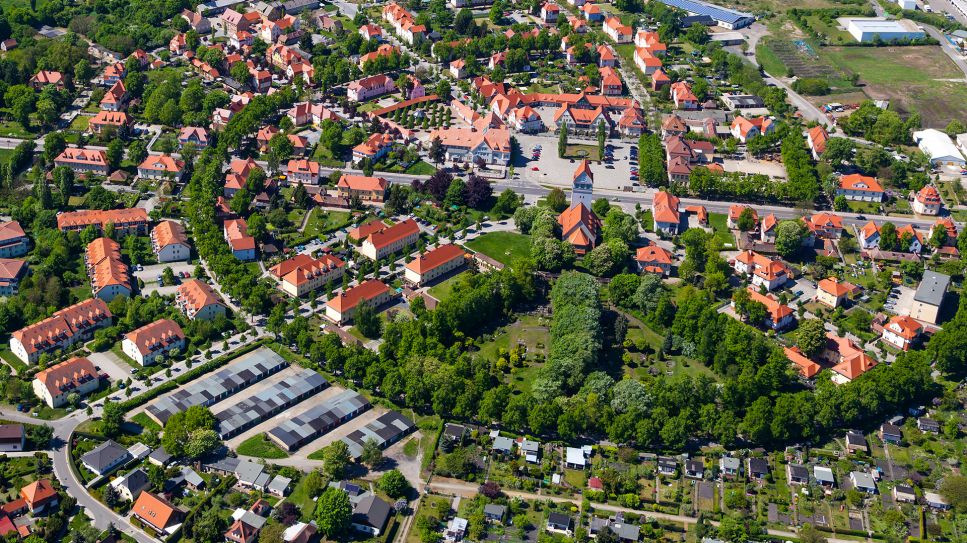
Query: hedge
x=194, y=373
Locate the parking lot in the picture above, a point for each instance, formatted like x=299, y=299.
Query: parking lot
x=900, y=300
x=550, y=170
x=149, y=275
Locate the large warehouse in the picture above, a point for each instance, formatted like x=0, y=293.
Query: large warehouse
x=725, y=17
x=937, y=145
x=868, y=29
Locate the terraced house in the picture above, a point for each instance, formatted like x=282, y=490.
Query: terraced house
x=61, y=330
x=125, y=221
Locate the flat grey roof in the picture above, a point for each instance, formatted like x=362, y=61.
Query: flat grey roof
x=238, y=375
x=266, y=403
x=932, y=288
x=319, y=420
x=387, y=429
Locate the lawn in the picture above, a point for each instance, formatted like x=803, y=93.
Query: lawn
x=441, y=291
x=719, y=224
x=322, y=222
x=8, y=357
x=80, y=123
x=421, y=168
x=504, y=247
x=13, y=129
x=146, y=422
x=259, y=446
x=581, y=151
x=431, y=506
x=768, y=59
x=143, y=370
x=914, y=79
x=300, y=496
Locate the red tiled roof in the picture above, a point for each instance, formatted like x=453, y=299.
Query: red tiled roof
x=435, y=258
x=66, y=375
x=159, y=332
x=389, y=235
x=349, y=299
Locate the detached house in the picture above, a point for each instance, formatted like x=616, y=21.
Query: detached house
x=927, y=201
x=763, y=271
x=654, y=259
x=902, y=331
x=682, y=95
x=860, y=188
x=161, y=167
x=816, y=138
x=665, y=213
x=367, y=189
x=302, y=171
x=169, y=242
x=617, y=31
x=744, y=129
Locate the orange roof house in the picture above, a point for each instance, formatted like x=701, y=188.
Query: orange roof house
x=664, y=210
x=816, y=138
x=198, y=300
x=342, y=307
x=779, y=315
x=434, y=263
x=38, y=495
x=156, y=513
x=833, y=292
x=302, y=273
x=580, y=227
x=807, y=368
x=851, y=361
x=56, y=382
x=860, y=187
x=654, y=259
x=60, y=330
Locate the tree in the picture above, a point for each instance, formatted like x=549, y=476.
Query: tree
x=508, y=202
x=271, y=533
x=115, y=153
x=562, y=141
x=54, y=144
x=394, y=484
x=811, y=337
x=333, y=511
x=840, y=203
x=336, y=459
x=789, y=237
x=112, y=418
x=747, y=218
x=372, y=454
x=437, y=151
x=168, y=276
x=209, y=527
x=600, y=207
x=368, y=322
x=556, y=200
x=938, y=236
x=201, y=442
x=258, y=227
x=137, y=151
x=239, y=72
x=954, y=488
x=477, y=192
x=889, y=239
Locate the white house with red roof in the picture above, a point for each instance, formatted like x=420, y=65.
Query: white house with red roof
x=84, y=160
x=148, y=344
x=13, y=240
x=682, y=95
x=371, y=32
x=901, y=331
x=370, y=87
x=816, y=138
x=434, y=264
x=744, y=129
x=762, y=270
x=236, y=235
x=646, y=61
x=927, y=201
x=342, y=307
x=653, y=258
x=869, y=236
x=664, y=210
x=467, y=145
x=767, y=230
x=525, y=119
x=197, y=300
x=376, y=146
x=550, y=12
x=302, y=274
x=161, y=167
x=302, y=171
x=618, y=31
x=861, y=188
x=778, y=315
x=390, y=239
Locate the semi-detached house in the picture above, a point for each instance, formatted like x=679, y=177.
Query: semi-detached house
x=390, y=239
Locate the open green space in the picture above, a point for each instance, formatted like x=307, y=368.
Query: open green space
x=504, y=247
x=146, y=422
x=720, y=226
x=259, y=446
x=914, y=79
x=322, y=222
x=580, y=151
x=421, y=168
x=441, y=291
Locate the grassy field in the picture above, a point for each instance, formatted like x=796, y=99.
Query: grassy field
x=259, y=446
x=580, y=151
x=442, y=290
x=914, y=79
x=719, y=224
x=421, y=168
x=503, y=247
x=768, y=59
x=323, y=222
x=146, y=422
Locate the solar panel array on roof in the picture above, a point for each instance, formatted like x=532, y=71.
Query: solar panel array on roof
x=266, y=403
x=319, y=420
x=387, y=429
x=243, y=373
x=729, y=18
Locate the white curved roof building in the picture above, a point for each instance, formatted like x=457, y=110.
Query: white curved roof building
x=938, y=146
